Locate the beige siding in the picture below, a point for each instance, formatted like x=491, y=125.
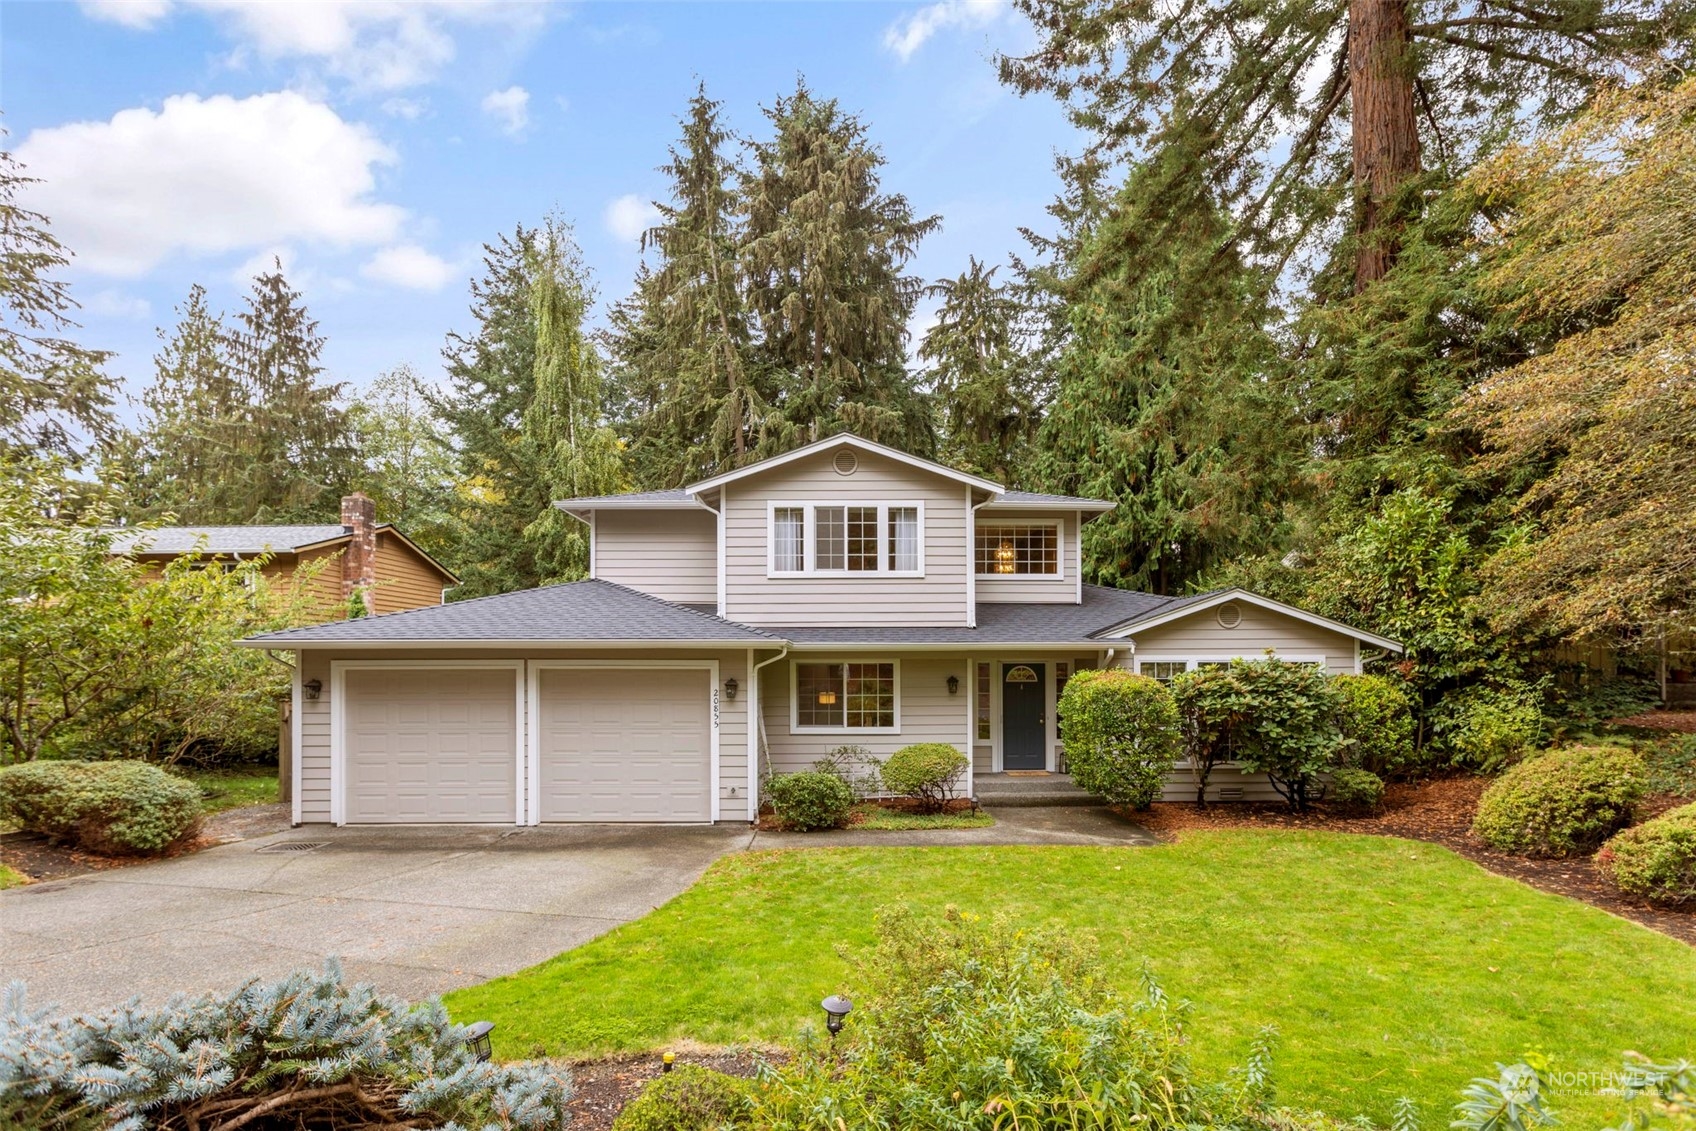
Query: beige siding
x=1220, y=784
x=928, y=712
x=1201, y=635
x=670, y=554
x=1060, y=590
x=405, y=580
x=733, y=721
x=937, y=598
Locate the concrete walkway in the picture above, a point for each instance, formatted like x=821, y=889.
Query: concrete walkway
x=418, y=911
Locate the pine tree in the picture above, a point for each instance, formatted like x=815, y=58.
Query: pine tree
x=681, y=342
x=824, y=256
x=981, y=381
x=54, y=399
x=1316, y=118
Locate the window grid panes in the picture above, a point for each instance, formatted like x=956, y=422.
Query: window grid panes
x=788, y=528
x=862, y=538
x=830, y=538
x=1162, y=670
x=904, y=539
x=845, y=695
x=983, y=703
x=1019, y=550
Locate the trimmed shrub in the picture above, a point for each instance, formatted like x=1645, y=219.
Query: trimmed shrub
x=1490, y=727
x=807, y=801
x=926, y=771
x=1121, y=735
x=1655, y=860
x=1285, y=725
x=306, y=1051
x=1356, y=791
x=965, y=1022
x=1375, y=716
x=1562, y=802
x=113, y=808
x=689, y=1098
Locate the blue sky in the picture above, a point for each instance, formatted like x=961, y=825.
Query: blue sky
x=375, y=146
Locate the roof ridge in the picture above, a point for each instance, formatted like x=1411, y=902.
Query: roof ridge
x=685, y=608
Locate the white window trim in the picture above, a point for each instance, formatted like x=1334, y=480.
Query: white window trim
x=795, y=726
x=533, y=728
x=338, y=722
x=1190, y=659
x=809, y=528
x=1059, y=574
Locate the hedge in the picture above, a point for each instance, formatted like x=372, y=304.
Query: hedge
x=112, y=808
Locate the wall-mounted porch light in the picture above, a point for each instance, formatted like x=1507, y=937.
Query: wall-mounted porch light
x=953, y=685
x=313, y=688
x=730, y=686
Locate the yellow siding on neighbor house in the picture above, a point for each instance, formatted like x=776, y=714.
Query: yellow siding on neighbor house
x=937, y=598
x=405, y=579
x=670, y=554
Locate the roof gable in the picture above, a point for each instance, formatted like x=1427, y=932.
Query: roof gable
x=844, y=440
x=1181, y=607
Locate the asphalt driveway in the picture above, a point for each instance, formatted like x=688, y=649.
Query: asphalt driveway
x=418, y=911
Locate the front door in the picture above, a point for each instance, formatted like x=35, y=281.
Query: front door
x=1024, y=727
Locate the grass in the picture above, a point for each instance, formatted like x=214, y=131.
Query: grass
x=882, y=818
x=234, y=787
x=10, y=877
x=1391, y=967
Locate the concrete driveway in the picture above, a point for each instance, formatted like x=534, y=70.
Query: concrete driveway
x=418, y=911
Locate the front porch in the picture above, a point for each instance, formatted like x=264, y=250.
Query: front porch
x=1020, y=789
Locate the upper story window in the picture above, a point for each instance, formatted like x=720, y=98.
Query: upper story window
x=1025, y=549
x=847, y=538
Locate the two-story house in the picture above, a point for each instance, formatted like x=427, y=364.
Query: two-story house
x=844, y=593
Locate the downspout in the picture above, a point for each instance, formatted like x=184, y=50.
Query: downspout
x=757, y=718
x=972, y=558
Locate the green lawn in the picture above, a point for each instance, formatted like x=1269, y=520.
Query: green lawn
x=1391, y=967
x=879, y=818
x=9, y=877
x=234, y=787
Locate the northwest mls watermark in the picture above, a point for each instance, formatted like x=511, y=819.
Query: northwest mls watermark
x=1598, y=1082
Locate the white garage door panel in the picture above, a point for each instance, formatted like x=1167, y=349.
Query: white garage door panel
x=431, y=746
x=625, y=745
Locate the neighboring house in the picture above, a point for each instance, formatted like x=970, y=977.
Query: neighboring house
x=745, y=625
x=364, y=556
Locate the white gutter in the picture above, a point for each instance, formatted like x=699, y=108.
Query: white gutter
x=972, y=558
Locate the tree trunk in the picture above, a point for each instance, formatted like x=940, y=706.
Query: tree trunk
x=1386, y=132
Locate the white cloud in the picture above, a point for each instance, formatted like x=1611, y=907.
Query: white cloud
x=209, y=176
x=510, y=108
x=909, y=33
x=410, y=109
x=409, y=266
x=379, y=44
x=276, y=258
x=630, y=215
x=110, y=303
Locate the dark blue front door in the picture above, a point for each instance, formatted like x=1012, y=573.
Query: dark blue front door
x=1024, y=729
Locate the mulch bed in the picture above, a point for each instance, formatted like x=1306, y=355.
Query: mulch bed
x=1441, y=812
x=604, y=1086
x=768, y=822
x=40, y=859
x=1684, y=722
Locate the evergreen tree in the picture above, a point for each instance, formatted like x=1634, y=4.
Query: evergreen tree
x=1316, y=117
x=824, y=256
x=1166, y=400
x=681, y=343
x=53, y=396
x=981, y=381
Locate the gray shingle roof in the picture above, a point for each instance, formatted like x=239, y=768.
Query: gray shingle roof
x=579, y=610
x=679, y=498
x=1037, y=499
x=223, y=539
x=1102, y=608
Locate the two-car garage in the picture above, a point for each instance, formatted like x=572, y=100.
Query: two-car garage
x=522, y=742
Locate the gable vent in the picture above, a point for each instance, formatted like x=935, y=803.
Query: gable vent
x=1230, y=614
x=845, y=462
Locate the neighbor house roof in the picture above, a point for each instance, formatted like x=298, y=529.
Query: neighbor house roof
x=220, y=541
x=595, y=611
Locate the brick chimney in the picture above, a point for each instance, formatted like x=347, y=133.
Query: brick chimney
x=359, y=563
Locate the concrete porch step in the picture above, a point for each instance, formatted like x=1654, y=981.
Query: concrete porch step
x=1010, y=791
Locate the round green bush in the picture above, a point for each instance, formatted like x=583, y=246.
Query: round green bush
x=688, y=1098
x=1655, y=860
x=1562, y=802
x=1489, y=727
x=807, y=801
x=1121, y=735
x=1375, y=714
x=1356, y=791
x=112, y=808
x=927, y=771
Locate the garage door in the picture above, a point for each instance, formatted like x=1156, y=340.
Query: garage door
x=431, y=746
x=624, y=745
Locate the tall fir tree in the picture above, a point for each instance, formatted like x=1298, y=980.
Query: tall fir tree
x=54, y=398
x=681, y=343
x=825, y=256
x=982, y=381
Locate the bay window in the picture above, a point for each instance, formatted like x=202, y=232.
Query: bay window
x=846, y=538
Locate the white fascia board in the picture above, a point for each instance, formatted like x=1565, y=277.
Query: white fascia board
x=1143, y=624
x=847, y=439
x=1093, y=506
